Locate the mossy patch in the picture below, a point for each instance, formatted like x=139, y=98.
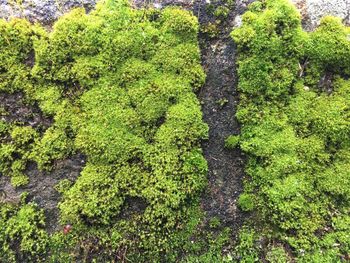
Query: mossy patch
x=119, y=85
x=294, y=112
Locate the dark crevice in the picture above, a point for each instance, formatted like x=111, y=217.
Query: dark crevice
x=18, y=111
x=219, y=99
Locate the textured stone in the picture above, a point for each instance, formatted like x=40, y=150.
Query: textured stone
x=44, y=11
x=313, y=10
x=47, y=11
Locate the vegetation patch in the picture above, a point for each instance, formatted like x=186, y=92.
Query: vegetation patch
x=119, y=85
x=294, y=110
x=218, y=12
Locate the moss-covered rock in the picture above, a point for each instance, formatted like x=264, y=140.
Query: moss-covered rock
x=119, y=85
x=294, y=112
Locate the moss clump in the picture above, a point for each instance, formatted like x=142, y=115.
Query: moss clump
x=211, y=29
x=221, y=12
x=277, y=254
x=246, y=202
x=294, y=112
x=119, y=85
x=247, y=249
x=16, y=43
x=217, y=12
x=16, y=146
x=232, y=141
x=22, y=233
x=53, y=145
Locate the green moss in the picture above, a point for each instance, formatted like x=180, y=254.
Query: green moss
x=23, y=135
x=180, y=22
x=246, y=250
x=246, y=202
x=211, y=29
x=118, y=84
x=23, y=228
x=331, y=35
x=214, y=222
x=19, y=179
x=15, y=153
x=277, y=254
x=295, y=128
x=6, y=156
x=54, y=145
x=16, y=43
x=13, y=163
x=101, y=191
x=232, y=141
x=3, y=127
x=208, y=247
x=221, y=12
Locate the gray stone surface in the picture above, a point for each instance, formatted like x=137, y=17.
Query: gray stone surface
x=47, y=11
x=44, y=11
x=313, y=10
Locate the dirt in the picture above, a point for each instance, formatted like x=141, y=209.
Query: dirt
x=19, y=112
x=41, y=187
x=219, y=99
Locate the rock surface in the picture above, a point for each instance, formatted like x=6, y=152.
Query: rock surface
x=47, y=11
x=43, y=11
x=313, y=10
